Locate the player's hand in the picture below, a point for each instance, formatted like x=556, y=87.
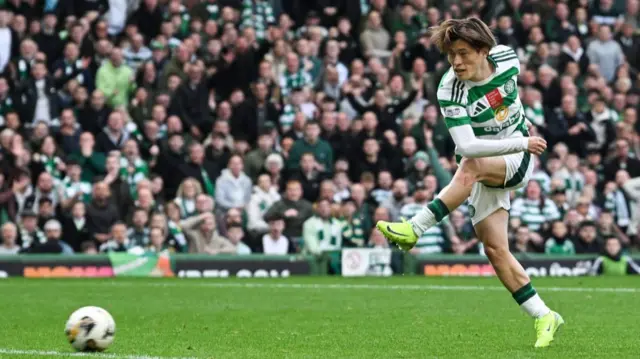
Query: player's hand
x=537, y=145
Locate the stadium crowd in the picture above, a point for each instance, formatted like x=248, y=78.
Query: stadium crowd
x=284, y=126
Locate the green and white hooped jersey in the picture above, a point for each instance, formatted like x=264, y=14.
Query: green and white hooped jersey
x=492, y=107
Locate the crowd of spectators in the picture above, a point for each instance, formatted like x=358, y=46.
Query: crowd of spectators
x=292, y=126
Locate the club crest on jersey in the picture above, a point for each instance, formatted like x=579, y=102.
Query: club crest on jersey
x=501, y=113
x=510, y=86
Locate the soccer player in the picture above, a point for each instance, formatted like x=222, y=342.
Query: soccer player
x=479, y=100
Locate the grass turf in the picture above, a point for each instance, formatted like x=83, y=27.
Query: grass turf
x=410, y=317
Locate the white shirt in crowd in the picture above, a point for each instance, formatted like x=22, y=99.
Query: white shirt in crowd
x=5, y=47
x=276, y=247
x=43, y=112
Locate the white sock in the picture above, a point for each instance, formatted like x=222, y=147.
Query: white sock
x=535, y=307
x=422, y=221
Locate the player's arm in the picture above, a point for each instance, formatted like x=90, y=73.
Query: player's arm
x=468, y=145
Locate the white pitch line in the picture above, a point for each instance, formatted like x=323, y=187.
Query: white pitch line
x=337, y=286
x=50, y=353
x=411, y=287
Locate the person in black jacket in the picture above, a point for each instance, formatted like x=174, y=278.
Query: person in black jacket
x=309, y=177
x=569, y=125
x=39, y=95
x=101, y=212
x=386, y=112
x=199, y=168
x=93, y=118
x=48, y=40
x=148, y=18
x=191, y=101
x=254, y=114
x=74, y=227
x=114, y=135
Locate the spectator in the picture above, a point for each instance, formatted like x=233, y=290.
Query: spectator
x=186, y=197
x=263, y=197
x=274, y=242
x=114, y=79
x=233, y=187
x=9, y=239
x=605, y=52
x=102, y=214
x=522, y=242
x=534, y=210
x=613, y=261
x=559, y=242
x=74, y=227
x=312, y=143
x=53, y=243
x=254, y=161
x=237, y=238
x=322, y=232
x=587, y=242
x=202, y=235
x=117, y=241
x=375, y=38
x=293, y=209
x=398, y=199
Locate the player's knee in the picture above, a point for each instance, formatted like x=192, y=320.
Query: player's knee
x=469, y=171
x=496, y=252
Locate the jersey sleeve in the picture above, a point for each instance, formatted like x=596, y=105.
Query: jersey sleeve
x=452, y=98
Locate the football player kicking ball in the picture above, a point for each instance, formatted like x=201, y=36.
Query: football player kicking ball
x=479, y=100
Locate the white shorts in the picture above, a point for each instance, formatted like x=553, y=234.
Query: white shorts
x=485, y=200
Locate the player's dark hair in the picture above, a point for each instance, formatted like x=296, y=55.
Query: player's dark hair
x=470, y=30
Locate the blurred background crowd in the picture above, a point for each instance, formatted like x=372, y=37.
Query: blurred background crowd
x=292, y=126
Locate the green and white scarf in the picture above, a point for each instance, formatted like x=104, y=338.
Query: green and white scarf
x=299, y=79
x=72, y=187
x=257, y=14
x=184, y=205
x=352, y=231
x=178, y=235
x=140, y=172
x=209, y=186
x=29, y=238
x=50, y=164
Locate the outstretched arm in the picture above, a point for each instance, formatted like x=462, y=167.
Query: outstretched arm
x=468, y=145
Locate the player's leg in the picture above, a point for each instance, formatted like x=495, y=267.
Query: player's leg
x=492, y=231
x=490, y=171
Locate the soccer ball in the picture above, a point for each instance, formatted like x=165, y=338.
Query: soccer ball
x=90, y=329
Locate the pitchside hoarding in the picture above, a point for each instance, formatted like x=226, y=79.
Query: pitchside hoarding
x=479, y=266
x=242, y=267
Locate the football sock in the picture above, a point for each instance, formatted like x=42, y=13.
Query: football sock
x=433, y=213
x=530, y=302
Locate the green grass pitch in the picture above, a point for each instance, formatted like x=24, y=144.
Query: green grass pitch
x=403, y=317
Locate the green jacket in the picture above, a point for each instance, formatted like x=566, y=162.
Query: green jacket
x=115, y=82
x=92, y=166
x=321, y=150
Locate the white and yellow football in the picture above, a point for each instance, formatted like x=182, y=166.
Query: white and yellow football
x=90, y=329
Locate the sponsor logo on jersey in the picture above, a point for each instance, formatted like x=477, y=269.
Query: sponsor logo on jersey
x=510, y=86
x=495, y=99
x=502, y=113
x=452, y=112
